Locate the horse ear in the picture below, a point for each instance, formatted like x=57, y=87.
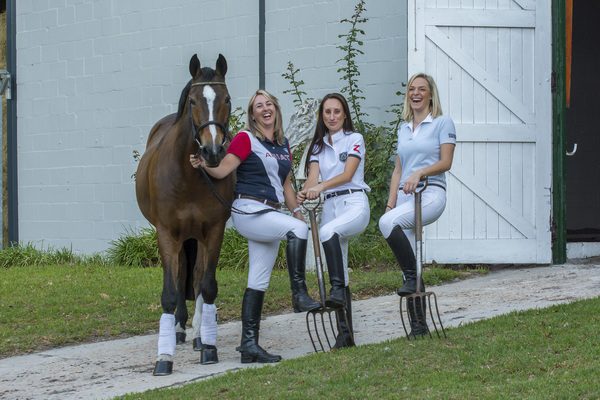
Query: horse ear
x=221, y=66
x=194, y=65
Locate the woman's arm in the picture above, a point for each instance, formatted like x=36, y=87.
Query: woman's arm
x=227, y=165
x=352, y=163
x=289, y=196
x=394, y=184
x=446, y=157
x=311, y=180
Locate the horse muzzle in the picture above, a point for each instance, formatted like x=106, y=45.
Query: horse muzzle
x=213, y=154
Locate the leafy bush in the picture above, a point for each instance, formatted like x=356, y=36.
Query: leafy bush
x=27, y=255
x=138, y=249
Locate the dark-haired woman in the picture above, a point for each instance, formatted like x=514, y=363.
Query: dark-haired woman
x=337, y=156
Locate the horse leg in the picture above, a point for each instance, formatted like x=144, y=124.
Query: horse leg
x=185, y=288
x=166, y=334
x=209, y=289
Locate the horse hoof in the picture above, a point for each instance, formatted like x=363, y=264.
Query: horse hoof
x=198, y=346
x=208, y=355
x=180, y=337
x=162, y=368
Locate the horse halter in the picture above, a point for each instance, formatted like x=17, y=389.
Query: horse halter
x=195, y=130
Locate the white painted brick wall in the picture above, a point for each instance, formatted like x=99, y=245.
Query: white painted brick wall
x=94, y=76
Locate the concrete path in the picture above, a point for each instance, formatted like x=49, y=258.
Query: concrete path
x=107, y=369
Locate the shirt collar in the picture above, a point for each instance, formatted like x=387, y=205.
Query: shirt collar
x=427, y=119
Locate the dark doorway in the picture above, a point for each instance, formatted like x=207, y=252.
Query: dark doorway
x=583, y=167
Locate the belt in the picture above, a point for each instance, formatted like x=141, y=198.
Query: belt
x=342, y=193
x=270, y=203
x=429, y=184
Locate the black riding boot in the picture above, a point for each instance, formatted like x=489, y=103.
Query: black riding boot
x=296, y=263
x=405, y=256
x=417, y=309
x=335, y=266
x=251, y=313
x=345, y=337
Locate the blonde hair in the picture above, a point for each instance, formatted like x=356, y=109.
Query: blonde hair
x=435, y=107
x=251, y=124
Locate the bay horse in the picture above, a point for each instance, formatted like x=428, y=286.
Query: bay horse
x=188, y=209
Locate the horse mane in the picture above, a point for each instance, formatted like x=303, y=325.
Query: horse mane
x=206, y=76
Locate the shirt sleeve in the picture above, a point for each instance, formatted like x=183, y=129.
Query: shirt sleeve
x=357, y=146
x=240, y=146
x=447, y=131
x=314, y=157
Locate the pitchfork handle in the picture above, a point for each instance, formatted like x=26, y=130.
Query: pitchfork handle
x=314, y=227
x=419, y=232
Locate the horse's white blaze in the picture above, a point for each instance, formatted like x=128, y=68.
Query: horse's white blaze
x=210, y=95
x=197, y=320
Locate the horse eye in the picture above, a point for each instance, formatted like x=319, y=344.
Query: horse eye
x=192, y=102
x=227, y=99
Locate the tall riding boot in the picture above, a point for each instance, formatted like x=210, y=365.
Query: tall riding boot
x=417, y=309
x=345, y=337
x=296, y=263
x=405, y=256
x=251, y=313
x=335, y=266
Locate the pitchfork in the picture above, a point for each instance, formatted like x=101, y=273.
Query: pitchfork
x=319, y=323
x=422, y=299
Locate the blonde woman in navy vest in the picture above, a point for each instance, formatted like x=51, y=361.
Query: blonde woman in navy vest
x=337, y=156
x=261, y=157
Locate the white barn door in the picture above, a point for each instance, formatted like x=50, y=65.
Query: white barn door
x=491, y=60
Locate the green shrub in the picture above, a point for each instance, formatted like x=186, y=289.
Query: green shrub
x=26, y=255
x=138, y=249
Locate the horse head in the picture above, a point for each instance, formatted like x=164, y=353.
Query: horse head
x=209, y=107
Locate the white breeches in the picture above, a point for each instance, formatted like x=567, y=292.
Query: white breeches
x=347, y=216
x=433, y=202
x=264, y=232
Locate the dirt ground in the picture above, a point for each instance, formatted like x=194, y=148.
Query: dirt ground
x=107, y=369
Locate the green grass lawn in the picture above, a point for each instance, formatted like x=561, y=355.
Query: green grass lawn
x=55, y=305
x=552, y=353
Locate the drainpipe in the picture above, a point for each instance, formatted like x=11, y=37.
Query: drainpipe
x=11, y=125
x=261, y=44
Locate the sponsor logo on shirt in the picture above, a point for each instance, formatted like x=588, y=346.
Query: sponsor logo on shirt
x=357, y=148
x=285, y=157
x=343, y=156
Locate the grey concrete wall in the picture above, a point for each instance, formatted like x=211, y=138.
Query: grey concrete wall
x=94, y=76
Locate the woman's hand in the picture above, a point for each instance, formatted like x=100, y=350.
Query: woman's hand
x=196, y=161
x=300, y=197
x=412, y=182
x=313, y=192
x=298, y=215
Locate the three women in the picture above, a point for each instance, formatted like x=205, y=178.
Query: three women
x=261, y=156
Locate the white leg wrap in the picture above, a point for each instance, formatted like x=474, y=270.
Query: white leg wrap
x=208, y=329
x=197, y=320
x=166, y=335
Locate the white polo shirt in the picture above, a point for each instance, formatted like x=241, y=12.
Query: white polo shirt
x=421, y=148
x=332, y=159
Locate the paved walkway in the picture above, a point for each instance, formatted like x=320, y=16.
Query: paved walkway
x=107, y=369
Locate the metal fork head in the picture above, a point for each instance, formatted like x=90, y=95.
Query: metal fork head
x=324, y=326
x=413, y=313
